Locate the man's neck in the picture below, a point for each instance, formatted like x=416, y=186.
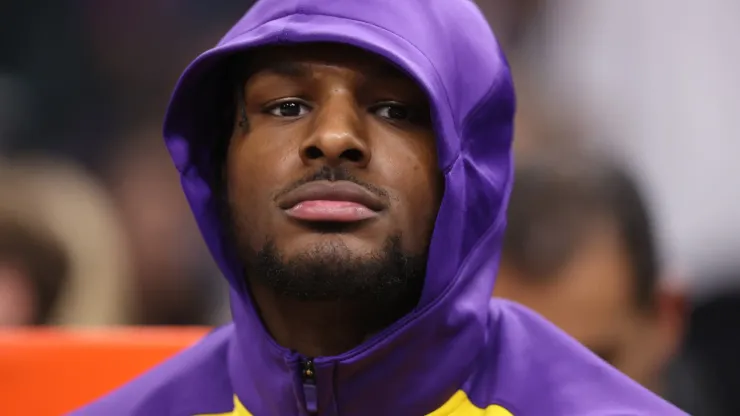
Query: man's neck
x=314, y=328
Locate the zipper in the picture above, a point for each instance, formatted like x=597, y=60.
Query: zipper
x=308, y=378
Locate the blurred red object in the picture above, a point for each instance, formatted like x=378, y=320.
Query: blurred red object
x=54, y=371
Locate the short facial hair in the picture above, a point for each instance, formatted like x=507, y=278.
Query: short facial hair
x=387, y=279
x=330, y=271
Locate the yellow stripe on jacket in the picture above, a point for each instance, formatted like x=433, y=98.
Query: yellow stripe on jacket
x=458, y=405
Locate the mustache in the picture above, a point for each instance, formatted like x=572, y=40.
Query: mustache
x=326, y=173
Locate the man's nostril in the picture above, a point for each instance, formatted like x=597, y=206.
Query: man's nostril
x=314, y=152
x=353, y=155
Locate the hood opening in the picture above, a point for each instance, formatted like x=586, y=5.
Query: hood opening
x=214, y=79
x=472, y=115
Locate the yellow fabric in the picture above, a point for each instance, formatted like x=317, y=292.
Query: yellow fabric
x=239, y=410
x=458, y=405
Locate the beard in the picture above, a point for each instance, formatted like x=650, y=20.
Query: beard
x=385, y=283
x=381, y=286
x=330, y=271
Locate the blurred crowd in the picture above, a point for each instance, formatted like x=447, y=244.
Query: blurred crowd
x=624, y=225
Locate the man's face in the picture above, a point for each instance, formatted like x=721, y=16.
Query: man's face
x=332, y=182
x=592, y=298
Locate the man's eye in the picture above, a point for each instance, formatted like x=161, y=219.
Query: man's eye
x=288, y=109
x=393, y=112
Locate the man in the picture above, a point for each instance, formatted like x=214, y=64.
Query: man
x=349, y=166
x=579, y=249
x=33, y=270
x=34, y=264
x=172, y=272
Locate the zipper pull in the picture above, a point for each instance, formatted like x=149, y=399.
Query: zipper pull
x=308, y=376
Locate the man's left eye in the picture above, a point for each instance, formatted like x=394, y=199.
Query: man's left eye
x=393, y=112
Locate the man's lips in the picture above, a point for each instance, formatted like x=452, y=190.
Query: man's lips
x=324, y=201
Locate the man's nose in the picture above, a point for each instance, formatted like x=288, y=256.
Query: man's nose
x=337, y=135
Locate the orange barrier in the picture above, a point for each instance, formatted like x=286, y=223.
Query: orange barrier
x=50, y=372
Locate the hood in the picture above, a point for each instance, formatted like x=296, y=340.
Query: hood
x=448, y=48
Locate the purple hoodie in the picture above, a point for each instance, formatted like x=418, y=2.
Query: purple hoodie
x=459, y=352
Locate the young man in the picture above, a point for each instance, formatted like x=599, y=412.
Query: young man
x=349, y=165
x=34, y=268
x=580, y=250
x=35, y=264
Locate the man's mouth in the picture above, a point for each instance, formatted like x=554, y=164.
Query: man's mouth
x=325, y=201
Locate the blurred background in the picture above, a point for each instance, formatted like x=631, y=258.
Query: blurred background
x=627, y=128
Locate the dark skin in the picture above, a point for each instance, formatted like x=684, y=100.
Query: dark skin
x=318, y=106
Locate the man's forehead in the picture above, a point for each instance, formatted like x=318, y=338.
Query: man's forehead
x=300, y=60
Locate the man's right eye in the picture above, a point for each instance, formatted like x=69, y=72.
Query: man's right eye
x=289, y=109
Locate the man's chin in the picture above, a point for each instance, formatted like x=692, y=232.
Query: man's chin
x=335, y=267
x=330, y=246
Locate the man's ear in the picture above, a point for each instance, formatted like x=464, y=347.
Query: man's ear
x=672, y=314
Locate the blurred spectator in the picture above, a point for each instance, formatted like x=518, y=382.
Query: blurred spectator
x=106, y=78
x=64, y=225
x=658, y=83
x=91, y=67
x=34, y=266
x=173, y=273
x=579, y=249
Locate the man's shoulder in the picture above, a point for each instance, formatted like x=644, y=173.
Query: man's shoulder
x=192, y=382
x=534, y=368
